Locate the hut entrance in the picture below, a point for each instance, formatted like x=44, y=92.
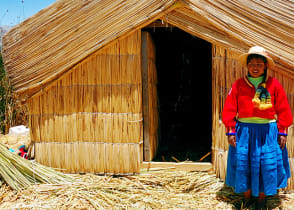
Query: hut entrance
x=183, y=66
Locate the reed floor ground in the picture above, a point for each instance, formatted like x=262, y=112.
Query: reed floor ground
x=161, y=189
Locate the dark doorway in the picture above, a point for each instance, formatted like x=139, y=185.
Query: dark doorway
x=184, y=73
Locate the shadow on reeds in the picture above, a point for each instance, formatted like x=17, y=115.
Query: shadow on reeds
x=237, y=200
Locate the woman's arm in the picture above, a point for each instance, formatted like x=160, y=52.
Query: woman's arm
x=283, y=110
x=230, y=110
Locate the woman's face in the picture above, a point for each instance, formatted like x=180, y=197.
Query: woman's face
x=256, y=67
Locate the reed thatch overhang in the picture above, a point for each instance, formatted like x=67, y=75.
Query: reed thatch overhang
x=46, y=45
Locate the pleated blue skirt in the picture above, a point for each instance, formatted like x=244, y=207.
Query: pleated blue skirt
x=257, y=162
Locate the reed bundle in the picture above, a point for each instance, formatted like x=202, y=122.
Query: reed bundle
x=20, y=173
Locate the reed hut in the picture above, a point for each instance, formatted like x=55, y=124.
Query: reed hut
x=88, y=72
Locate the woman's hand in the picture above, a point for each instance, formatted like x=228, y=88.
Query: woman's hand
x=232, y=140
x=282, y=141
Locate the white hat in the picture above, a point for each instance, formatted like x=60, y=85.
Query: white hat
x=259, y=51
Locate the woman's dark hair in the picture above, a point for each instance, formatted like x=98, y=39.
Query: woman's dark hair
x=251, y=56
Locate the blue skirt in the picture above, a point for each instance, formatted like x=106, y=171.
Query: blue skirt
x=257, y=162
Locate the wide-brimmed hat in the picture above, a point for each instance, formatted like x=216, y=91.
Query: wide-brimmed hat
x=259, y=51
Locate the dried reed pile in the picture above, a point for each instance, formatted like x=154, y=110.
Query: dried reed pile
x=156, y=189
x=90, y=119
x=20, y=173
x=161, y=189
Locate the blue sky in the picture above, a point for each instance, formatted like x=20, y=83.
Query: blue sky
x=18, y=11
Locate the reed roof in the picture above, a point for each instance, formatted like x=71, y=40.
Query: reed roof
x=40, y=49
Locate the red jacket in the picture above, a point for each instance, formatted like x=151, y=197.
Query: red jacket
x=239, y=101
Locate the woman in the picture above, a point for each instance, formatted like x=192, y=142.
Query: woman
x=257, y=115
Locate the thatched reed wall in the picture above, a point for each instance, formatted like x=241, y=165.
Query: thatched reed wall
x=90, y=119
x=226, y=69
